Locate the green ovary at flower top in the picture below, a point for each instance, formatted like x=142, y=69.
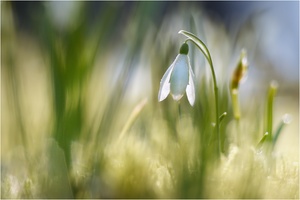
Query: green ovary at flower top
x=179, y=78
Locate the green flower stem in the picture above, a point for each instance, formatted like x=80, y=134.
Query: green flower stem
x=205, y=51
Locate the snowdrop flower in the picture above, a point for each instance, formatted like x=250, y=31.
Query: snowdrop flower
x=179, y=78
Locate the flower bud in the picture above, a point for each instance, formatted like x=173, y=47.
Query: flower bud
x=238, y=75
x=240, y=71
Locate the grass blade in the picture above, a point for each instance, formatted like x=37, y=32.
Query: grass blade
x=286, y=119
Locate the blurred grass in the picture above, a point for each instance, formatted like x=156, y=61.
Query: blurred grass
x=69, y=92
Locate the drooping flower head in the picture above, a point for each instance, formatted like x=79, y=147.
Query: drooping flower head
x=179, y=78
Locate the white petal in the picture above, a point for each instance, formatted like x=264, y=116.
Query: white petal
x=180, y=76
x=177, y=97
x=190, y=89
x=164, y=89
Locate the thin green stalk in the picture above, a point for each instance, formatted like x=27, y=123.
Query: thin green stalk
x=238, y=128
x=237, y=76
x=269, y=112
x=217, y=109
x=236, y=113
x=235, y=104
x=286, y=119
x=222, y=117
x=206, y=53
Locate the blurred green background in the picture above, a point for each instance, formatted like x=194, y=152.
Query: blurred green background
x=80, y=116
